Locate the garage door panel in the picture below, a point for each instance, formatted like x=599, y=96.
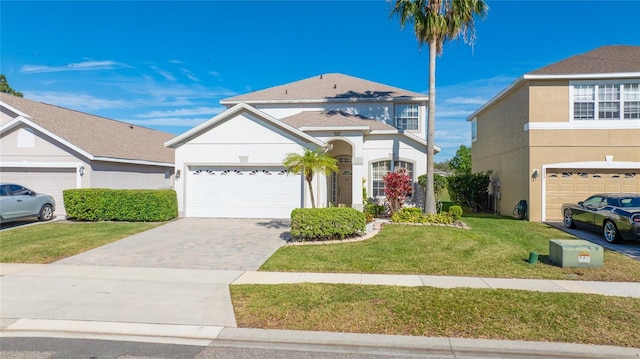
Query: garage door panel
x=572, y=186
x=242, y=192
x=51, y=181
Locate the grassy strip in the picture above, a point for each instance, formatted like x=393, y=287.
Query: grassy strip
x=493, y=247
x=46, y=243
x=433, y=312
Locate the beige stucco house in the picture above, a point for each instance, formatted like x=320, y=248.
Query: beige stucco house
x=49, y=149
x=562, y=132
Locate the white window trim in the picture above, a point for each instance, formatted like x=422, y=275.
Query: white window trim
x=597, y=83
x=395, y=116
x=391, y=169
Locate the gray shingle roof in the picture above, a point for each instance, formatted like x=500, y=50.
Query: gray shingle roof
x=605, y=59
x=333, y=119
x=99, y=136
x=323, y=87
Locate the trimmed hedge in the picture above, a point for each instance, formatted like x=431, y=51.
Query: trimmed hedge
x=101, y=204
x=316, y=224
x=415, y=215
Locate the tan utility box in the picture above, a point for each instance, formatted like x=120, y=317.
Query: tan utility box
x=575, y=253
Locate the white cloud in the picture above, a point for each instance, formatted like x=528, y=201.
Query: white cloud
x=210, y=111
x=76, y=101
x=166, y=74
x=190, y=75
x=78, y=66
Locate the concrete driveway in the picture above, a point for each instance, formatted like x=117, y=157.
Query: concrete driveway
x=628, y=248
x=193, y=243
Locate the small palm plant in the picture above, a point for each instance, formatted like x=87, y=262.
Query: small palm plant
x=309, y=163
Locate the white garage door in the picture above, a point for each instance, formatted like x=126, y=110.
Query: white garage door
x=242, y=192
x=575, y=185
x=51, y=181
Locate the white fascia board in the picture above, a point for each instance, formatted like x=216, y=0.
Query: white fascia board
x=16, y=121
x=14, y=110
x=329, y=100
x=595, y=165
x=232, y=111
x=337, y=128
x=610, y=75
x=135, y=162
x=584, y=125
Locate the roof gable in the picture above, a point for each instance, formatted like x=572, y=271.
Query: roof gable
x=97, y=137
x=232, y=112
x=605, y=59
x=326, y=87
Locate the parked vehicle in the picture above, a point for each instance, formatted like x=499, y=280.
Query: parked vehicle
x=17, y=202
x=615, y=215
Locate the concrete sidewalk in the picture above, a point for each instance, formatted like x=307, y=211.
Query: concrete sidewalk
x=194, y=306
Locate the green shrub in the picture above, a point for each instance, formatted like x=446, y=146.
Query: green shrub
x=456, y=212
x=101, y=204
x=415, y=215
x=315, y=224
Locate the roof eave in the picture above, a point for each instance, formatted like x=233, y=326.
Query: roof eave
x=132, y=161
x=406, y=134
x=336, y=128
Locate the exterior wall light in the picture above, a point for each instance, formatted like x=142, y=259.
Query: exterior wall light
x=81, y=170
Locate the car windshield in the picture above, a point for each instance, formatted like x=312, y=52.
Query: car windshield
x=630, y=202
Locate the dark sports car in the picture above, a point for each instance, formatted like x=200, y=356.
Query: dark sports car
x=615, y=215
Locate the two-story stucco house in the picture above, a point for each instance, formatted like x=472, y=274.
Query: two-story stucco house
x=231, y=165
x=563, y=132
x=49, y=149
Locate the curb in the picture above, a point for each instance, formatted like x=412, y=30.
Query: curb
x=308, y=340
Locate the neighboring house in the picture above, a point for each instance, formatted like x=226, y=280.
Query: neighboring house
x=49, y=149
x=563, y=132
x=231, y=165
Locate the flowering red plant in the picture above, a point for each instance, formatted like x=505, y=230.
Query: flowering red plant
x=397, y=186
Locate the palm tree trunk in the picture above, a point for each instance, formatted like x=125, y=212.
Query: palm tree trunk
x=430, y=201
x=313, y=201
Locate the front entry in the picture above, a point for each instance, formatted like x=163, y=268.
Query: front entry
x=344, y=184
x=341, y=182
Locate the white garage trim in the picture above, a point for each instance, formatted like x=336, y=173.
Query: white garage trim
x=590, y=165
x=78, y=166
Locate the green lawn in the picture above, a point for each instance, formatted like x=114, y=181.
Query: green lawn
x=49, y=242
x=493, y=247
x=433, y=312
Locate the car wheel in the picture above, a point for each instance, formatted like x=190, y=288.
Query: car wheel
x=568, y=219
x=46, y=213
x=610, y=232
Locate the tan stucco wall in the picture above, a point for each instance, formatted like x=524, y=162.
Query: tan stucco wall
x=130, y=176
x=548, y=101
x=502, y=146
x=512, y=153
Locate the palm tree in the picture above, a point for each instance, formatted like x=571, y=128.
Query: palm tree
x=309, y=163
x=435, y=22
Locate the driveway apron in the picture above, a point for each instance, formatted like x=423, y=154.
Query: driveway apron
x=193, y=243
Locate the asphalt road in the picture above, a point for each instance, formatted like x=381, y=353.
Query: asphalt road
x=53, y=348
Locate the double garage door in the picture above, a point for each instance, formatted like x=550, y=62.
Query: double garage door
x=575, y=185
x=51, y=181
x=241, y=192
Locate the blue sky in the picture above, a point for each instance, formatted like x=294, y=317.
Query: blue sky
x=166, y=65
